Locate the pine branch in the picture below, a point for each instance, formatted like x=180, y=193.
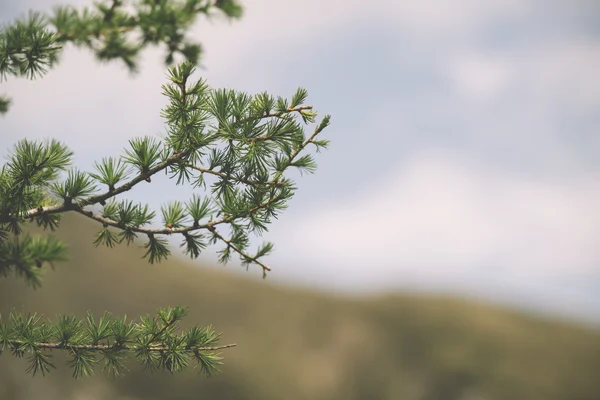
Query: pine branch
x=100, y=347
x=278, y=114
x=246, y=142
x=107, y=31
x=308, y=141
x=32, y=213
x=155, y=342
x=36, y=212
x=246, y=257
x=210, y=226
x=233, y=178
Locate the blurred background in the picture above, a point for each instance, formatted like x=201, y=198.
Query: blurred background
x=448, y=246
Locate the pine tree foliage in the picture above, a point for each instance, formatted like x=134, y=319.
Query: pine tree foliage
x=112, y=30
x=157, y=343
x=233, y=146
x=234, y=149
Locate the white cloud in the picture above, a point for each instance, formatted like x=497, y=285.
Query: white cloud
x=478, y=77
x=567, y=70
x=270, y=29
x=442, y=216
x=556, y=73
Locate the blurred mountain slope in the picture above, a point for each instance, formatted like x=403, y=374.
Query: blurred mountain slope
x=296, y=344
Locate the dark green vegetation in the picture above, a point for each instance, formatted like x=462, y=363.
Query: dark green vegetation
x=294, y=344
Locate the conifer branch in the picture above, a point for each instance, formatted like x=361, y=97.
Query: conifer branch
x=247, y=258
x=278, y=114
x=246, y=150
x=150, y=231
x=233, y=178
x=107, y=31
x=36, y=212
x=155, y=342
x=100, y=347
x=308, y=141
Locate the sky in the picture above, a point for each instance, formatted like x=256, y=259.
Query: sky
x=465, y=139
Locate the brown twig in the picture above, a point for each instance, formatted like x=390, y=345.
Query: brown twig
x=238, y=250
x=35, y=212
x=225, y=176
x=298, y=109
x=296, y=152
x=168, y=231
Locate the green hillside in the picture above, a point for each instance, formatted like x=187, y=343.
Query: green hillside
x=295, y=344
